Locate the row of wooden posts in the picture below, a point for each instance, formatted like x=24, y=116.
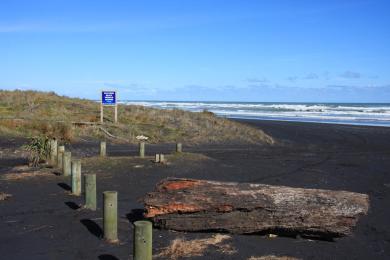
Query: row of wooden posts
x=159, y=157
x=142, y=247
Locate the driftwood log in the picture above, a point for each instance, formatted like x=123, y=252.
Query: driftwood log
x=200, y=205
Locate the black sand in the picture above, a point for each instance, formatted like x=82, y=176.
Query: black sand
x=42, y=221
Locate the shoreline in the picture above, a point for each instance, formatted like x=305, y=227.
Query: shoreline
x=302, y=121
x=371, y=114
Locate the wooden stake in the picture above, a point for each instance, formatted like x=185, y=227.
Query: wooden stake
x=110, y=216
x=142, y=240
x=53, y=152
x=142, y=149
x=101, y=113
x=76, y=177
x=60, y=154
x=179, y=148
x=116, y=113
x=102, y=148
x=66, y=164
x=90, y=191
x=162, y=159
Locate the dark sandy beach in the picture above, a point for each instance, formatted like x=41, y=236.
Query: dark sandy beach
x=42, y=220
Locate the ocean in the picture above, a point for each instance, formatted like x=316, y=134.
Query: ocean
x=372, y=114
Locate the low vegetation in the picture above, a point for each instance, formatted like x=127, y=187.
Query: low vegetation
x=25, y=172
x=273, y=257
x=4, y=196
x=181, y=248
x=38, y=149
x=32, y=113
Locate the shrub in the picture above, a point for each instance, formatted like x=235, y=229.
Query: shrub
x=38, y=149
x=64, y=131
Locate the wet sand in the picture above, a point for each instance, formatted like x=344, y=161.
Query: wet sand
x=43, y=221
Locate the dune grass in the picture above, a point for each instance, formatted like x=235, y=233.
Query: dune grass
x=31, y=113
x=181, y=248
x=4, y=196
x=24, y=172
x=273, y=257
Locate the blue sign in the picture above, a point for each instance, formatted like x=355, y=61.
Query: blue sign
x=108, y=97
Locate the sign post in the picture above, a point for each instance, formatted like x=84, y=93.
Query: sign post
x=109, y=99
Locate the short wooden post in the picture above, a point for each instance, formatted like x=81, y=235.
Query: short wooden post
x=101, y=113
x=66, y=164
x=157, y=158
x=110, y=216
x=102, y=148
x=179, y=148
x=60, y=154
x=76, y=177
x=142, y=240
x=142, y=149
x=162, y=159
x=116, y=113
x=53, y=152
x=90, y=191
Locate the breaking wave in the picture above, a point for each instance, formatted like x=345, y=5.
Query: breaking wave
x=342, y=113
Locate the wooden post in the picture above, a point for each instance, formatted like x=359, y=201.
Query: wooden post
x=179, y=148
x=53, y=152
x=102, y=148
x=157, y=159
x=90, y=191
x=142, y=149
x=142, y=240
x=162, y=159
x=66, y=164
x=116, y=113
x=110, y=216
x=60, y=154
x=76, y=177
x=101, y=113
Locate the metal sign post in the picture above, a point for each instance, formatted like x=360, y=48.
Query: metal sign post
x=109, y=99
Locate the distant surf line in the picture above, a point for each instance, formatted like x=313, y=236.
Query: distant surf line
x=371, y=114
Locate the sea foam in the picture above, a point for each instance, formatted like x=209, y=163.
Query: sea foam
x=342, y=113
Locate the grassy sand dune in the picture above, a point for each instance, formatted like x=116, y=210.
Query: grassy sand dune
x=29, y=113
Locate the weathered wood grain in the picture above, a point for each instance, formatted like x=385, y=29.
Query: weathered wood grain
x=200, y=205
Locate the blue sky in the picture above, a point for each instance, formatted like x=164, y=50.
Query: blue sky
x=318, y=51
